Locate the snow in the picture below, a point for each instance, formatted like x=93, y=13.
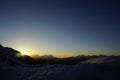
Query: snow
x=104, y=68
x=105, y=59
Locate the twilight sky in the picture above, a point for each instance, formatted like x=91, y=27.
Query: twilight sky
x=61, y=27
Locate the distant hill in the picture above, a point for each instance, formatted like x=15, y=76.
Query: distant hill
x=43, y=56
x=47, y=57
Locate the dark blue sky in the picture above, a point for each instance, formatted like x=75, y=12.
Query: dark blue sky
x=61, y=27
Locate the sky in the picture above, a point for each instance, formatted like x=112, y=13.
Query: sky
x=61, y=27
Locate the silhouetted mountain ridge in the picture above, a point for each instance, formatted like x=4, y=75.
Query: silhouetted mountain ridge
x=47, y=57
x=10, y=56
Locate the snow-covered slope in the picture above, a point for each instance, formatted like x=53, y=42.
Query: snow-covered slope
x=88, y=70
x=105, y=59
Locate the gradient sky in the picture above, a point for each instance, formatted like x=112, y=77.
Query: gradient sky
x=61, y=27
